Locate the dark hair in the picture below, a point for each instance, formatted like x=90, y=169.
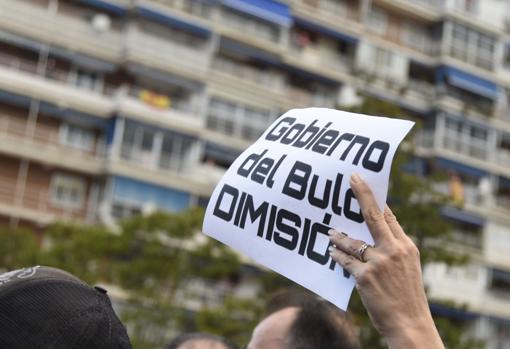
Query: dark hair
x=189, y=337
x=318, y=325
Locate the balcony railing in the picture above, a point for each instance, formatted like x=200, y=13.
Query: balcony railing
x=424, y=139
x=165, y=50
x=36, y=200
x=199, y=8
x=473, y=147
x=161, y=102
x=55, y=75
x=421, y=88
x=502, y=156
x=44, y=25
x=471, y=192
x=337, y=9
x=245, y=72
x=314, y=57
x=43, y=137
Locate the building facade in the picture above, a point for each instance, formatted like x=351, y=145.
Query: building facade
x=114, y=107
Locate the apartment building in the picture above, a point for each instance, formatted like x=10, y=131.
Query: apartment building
x=115, y=107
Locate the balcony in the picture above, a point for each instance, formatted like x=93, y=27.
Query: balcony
x=245, y=28
x=424, y=139
x=42, y=144
x=301, y=98
x=420, y=89
x=182, y=115
x=20, y=76
x=32, y=205
x=199, y=8
x=43, y=26
x=473, y=148
x=249, y=82
x=320, y=59
x=336, y=14
x=166, y=55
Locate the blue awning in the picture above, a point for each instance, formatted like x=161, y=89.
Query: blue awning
x=269, y=10
x=450, y=312
x=138, y=192
x=248, y=51
x=324, y=30
x=108, y=6
x=163, y=77
x=504, y=182
x=82, y=60
x=173, y=22
x=221, y=153
x=461, y=168
x=305, y=74
x=470, y=82
x=462, y=216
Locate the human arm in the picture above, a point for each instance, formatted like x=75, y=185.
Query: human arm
x=388, y=276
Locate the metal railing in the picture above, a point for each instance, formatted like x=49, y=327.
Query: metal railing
x=54, y=75
x=246, y=72
x=166, y=50
x=43, y=22
x=42, y=136
x=338, y=9
x=316, y=57
x=35, y=199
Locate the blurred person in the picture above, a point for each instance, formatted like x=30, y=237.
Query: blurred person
x=388, y=276
x=43, y=307
x=301, y=321
x=199, y=341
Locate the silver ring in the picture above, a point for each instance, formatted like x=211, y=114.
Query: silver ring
x=362, y=250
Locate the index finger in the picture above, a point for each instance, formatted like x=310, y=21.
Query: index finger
x=371, y=213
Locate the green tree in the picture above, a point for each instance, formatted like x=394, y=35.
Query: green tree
x=154, y=260
x=18, y=248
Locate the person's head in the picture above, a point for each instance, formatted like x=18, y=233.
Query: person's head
x=199, y=341
x=42, y=307
x=299, y=321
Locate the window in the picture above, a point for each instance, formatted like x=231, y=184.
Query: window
x=472, y=46
x=500, y=280
x=377, y=20
x=122, y=210
x=137, y=144
x=86, y=79
x=157, y=149
x=466, y=138
x=175, y=152
x=237, y=120
x=468, y=6
x=76, y=137
x=506, y=56
x=67, y=191
x=337, y=7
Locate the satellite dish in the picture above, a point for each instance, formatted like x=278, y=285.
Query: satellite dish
x=101, y=23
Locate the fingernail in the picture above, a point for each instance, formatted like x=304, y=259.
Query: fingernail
x=355, y=178
x=331, y=249
x=331, y=232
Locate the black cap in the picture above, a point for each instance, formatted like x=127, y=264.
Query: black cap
x=42, y=307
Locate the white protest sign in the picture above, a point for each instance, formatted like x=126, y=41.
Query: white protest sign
x=280, y=197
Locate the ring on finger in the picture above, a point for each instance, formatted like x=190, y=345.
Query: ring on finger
x=361, y=251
